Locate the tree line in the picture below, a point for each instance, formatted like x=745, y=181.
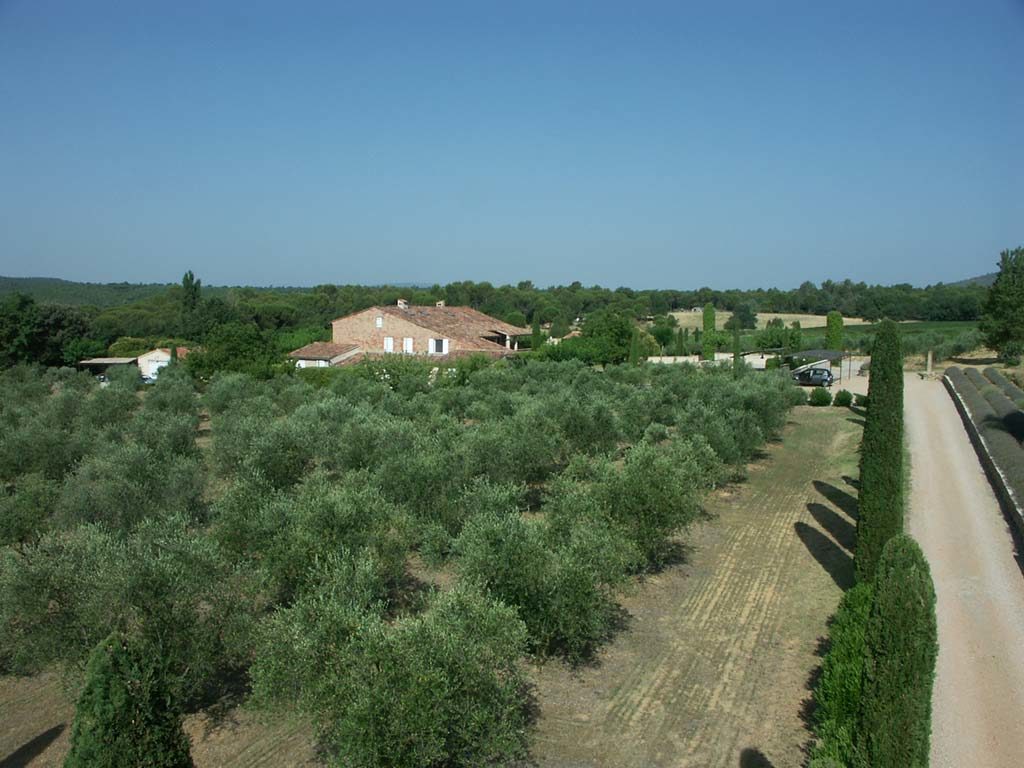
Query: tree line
x=873, y=699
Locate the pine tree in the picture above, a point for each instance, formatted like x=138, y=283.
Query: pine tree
x=1003, y=319
x=834, y=330
x=708, y=336
x=881, y=474
x=536, y=337
x=901, y=644
x=125, y=717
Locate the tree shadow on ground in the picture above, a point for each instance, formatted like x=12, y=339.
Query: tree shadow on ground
x=841, y=529
x=837, y=563
x=847, y=503
x=32, y=748
x=852, y=482
x=859, y=410
x=754, y=758
x=859, y=422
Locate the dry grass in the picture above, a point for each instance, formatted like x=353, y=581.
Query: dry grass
x=713, y=669
x=696, y=320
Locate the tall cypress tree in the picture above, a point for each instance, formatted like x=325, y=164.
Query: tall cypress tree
x=900, y=647
x=834, y=330
x=680, y=344
x=634, y=347
x=881, y=474
x=737, y=358
x=536, y=337
x=708, y=337
x=126, y=716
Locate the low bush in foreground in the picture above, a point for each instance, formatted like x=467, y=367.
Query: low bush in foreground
x=843, y=399
x=820, y=396
x=127, y=714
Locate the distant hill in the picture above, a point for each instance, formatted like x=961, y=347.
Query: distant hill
x=56, y=291
x=985, y=280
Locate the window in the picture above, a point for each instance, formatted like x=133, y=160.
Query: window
x=439, y=346
x=380, y=321
x=389, y=344
x=407, y=345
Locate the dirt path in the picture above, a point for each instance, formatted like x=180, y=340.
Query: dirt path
x=978, y=707
x=713, y=668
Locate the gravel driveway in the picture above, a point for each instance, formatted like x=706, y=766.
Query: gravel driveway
x=978, y=705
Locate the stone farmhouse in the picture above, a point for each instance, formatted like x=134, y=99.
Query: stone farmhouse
x=438, y=332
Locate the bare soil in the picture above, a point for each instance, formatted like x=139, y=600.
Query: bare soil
x=978, y=701
x=35, y=730
x=714, y=667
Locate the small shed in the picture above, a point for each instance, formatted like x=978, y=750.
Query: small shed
x=151, y=362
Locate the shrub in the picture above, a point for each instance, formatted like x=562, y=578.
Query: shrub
x=999, y=422
x=843, y=399
x=899, y=663
x=183, y=600
x=881, y=475
x=820, y=396
x=440, y=688
x=656, y=493
x=861, y=400
x=838, y=692
x=126, y=715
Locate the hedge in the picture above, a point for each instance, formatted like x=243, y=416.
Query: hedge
x=1010, y=389
x=995, y=422
x=881, y=472
x=901, y=645
x=838, y=692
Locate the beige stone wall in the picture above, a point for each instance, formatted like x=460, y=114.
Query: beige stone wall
x=361, y=329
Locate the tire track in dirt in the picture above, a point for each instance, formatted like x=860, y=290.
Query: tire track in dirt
x=719, y=650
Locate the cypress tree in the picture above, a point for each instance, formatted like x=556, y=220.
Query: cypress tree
x=834, y=330
x=708, y=352
x=536, y=337
x=737, y=358
x=634, y=348
x=125, y=717
x=680, y=344
x=901, y=644
x=881, y=462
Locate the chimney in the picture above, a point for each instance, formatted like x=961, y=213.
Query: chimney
x=403, y=304
x=440, y=303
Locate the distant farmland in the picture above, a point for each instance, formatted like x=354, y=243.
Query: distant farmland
x=695, y=319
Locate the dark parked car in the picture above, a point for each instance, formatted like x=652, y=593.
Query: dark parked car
x=814, y=377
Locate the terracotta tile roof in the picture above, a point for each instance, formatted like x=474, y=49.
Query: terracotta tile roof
x=322, y=350
x=465, y=323
x=182, y=351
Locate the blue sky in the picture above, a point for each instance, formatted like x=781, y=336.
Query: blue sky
x=648, y=144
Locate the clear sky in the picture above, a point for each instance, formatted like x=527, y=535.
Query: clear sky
x=647, y=144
